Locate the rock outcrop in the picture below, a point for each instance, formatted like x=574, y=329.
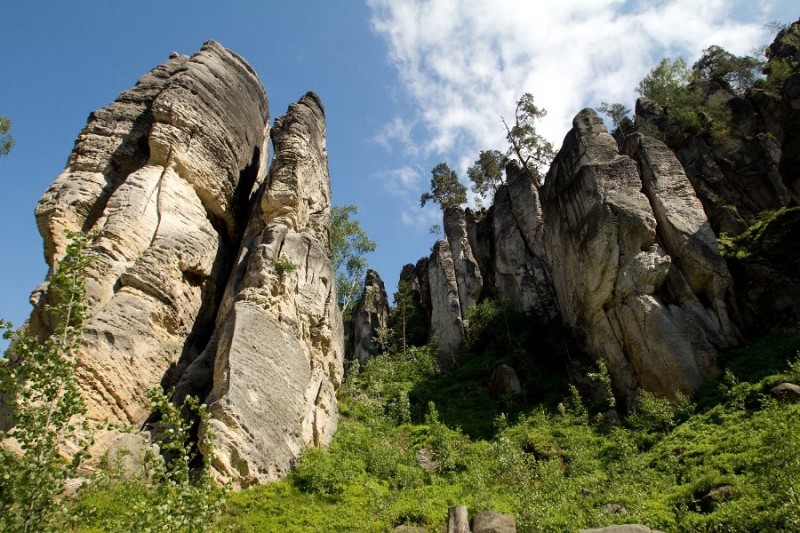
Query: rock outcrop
x=279, y=338
x=207, y=276
x=163, y=177
x=497, y=253
x=617, y=283
x=447, y=322
x=522, y=273
x=370, y=314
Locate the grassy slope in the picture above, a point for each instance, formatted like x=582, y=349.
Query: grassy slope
x=555, y=468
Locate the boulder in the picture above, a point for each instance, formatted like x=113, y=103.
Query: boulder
x=503, y=381
x=488, y=522
x=786, y=392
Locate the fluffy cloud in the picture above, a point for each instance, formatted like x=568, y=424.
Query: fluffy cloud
x=464, y=63
x=397, y=132
x=404, y=182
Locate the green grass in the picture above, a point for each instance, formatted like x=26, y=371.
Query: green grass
x=552, y=463
x=555, y=469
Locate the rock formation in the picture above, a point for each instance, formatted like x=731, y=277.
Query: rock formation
x=188, y=287
x=370, y=314
x=279, y=338
x=522, y=273
x=447, y=322
x=617, y=284
x=162, y=176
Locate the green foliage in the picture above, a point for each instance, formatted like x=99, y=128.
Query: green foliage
x=349, y=247
x=170, y=495
x=619, y=115
x=554, y=469
x=667, y=84
x=446, y=190
x=6, y=140
x=39, y=387
x=603, y=378
x=652, y=413
x=782, y=57
x=283, y=266
x=738, y=72
x=406, y=319
x=487, y=173
x=763, y=238
x=533, y=151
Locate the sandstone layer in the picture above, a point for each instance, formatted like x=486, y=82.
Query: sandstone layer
x=279, y=340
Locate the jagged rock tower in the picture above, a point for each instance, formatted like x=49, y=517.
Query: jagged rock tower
x=210, y=275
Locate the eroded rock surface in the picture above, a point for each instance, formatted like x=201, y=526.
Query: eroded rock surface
x=208, y=276
x=522, y=273
x=279, y=340
x=617, y=284
x=162, y=176
x=370, y=314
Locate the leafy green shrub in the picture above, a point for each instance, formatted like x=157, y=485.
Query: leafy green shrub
x=652, y=413
x=40, y=389
x=283, y=266
x=448, y=445
x=169, y=495
x=319, y=472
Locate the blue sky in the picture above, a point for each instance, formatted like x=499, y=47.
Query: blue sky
x=406, y=84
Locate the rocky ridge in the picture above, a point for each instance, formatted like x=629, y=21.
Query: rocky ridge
x=620, y=244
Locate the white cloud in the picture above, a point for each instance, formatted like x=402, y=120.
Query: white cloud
x=398, y=131
x=464, y=63
x=407, y=183
x=421, y=219
x=404, y=182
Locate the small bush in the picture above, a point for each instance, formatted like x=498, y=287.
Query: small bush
x=283, y=266
x=652, y=413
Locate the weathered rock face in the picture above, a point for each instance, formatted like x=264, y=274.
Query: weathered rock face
x=498, y=253
x=686, y=235
x=447, y=323
x=734, y=179
x=467, y=271
x=415, y=277
x=162, y=176
x=744, y=159
x=767, y=275
x=279, y=345
x=522, y=273
x=369, y=315
x=197, y=282
x=790, y=154
x=617, y=284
